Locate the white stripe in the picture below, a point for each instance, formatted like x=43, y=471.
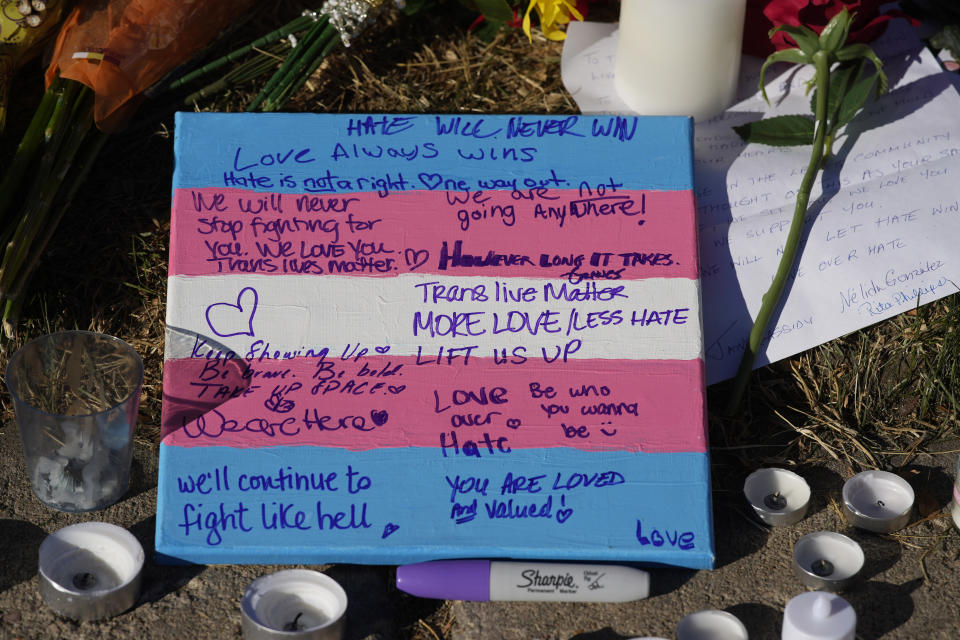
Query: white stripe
x=310, y=312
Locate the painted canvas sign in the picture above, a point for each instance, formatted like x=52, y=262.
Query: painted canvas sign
x=395, y=338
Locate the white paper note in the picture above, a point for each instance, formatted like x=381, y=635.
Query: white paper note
x=884, y=216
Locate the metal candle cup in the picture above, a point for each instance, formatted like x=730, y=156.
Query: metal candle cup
x=779, y=497
x=91, y=570
x=295, y=604
x=711, y=624
x=827, y=560
x=877, y=501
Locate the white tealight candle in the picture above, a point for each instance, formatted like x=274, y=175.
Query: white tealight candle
x=827, y=560
x=679, y=57
x=878, y=501
x=91, y=570
x=294, y=604
x=818, y=615
x=711, y=624
x=778, y=496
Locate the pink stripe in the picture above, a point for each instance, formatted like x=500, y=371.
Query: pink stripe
x=396, y=402
x=211, y=234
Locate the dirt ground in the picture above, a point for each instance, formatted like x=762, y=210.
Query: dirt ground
x=909, y=586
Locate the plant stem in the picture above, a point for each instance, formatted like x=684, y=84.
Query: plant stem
x=294, y=26
x=293, y=58
x=771, y=299
x=27, y=150
x=313, y=58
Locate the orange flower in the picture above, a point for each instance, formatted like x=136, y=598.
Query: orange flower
x=553, y=14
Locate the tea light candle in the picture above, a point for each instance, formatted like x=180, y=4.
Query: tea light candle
x=827, y=560
x=877, y=501
x=91, y=570
x=778, y=496
x=711, y=624
x=818, y=615
x=294, y=604
x=679, y=57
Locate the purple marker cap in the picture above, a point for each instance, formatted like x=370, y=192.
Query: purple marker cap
x=446, y=579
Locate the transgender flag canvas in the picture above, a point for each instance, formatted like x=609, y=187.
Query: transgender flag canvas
x=395, y=338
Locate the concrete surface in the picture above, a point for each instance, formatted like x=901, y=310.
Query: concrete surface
x=911, y=586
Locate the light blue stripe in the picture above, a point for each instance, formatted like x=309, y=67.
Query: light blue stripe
x=408, y=512
x=638, y=153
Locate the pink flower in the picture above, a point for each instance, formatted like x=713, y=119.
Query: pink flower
x=763, y=15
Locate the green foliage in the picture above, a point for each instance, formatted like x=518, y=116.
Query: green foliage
x=850, y=86
x=841, y=92
x=495, y=10
x=948, y=38
x=806, y=38
x=862, y=51
x=793, y=56
x=835, y=33
x=780, y=131
x=856, y=95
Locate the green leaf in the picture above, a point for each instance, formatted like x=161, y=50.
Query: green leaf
x=855, y=51
x=779, y=131
x=856, y=97
x=948, y=38
x=498, y=10
x=835, y=33
x=795, y=56
x=805, y=37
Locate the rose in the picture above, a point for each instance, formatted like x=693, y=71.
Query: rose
x=763, y=15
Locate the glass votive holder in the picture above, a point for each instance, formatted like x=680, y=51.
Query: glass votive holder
x=76, y=395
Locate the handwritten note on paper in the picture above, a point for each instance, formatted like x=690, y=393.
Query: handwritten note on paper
x=880, y=233
x=398, y=338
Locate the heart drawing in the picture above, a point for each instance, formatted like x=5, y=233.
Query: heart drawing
x=415, y=258
x=227, y=319
x=430, y=180
x=379, y=417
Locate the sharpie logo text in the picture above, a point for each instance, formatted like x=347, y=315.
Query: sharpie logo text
x=533, y=578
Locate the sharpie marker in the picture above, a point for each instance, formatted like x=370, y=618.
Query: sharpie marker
x=483, y=580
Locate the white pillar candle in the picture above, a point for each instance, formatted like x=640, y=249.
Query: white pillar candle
x=679, y=57
x=294, y=604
